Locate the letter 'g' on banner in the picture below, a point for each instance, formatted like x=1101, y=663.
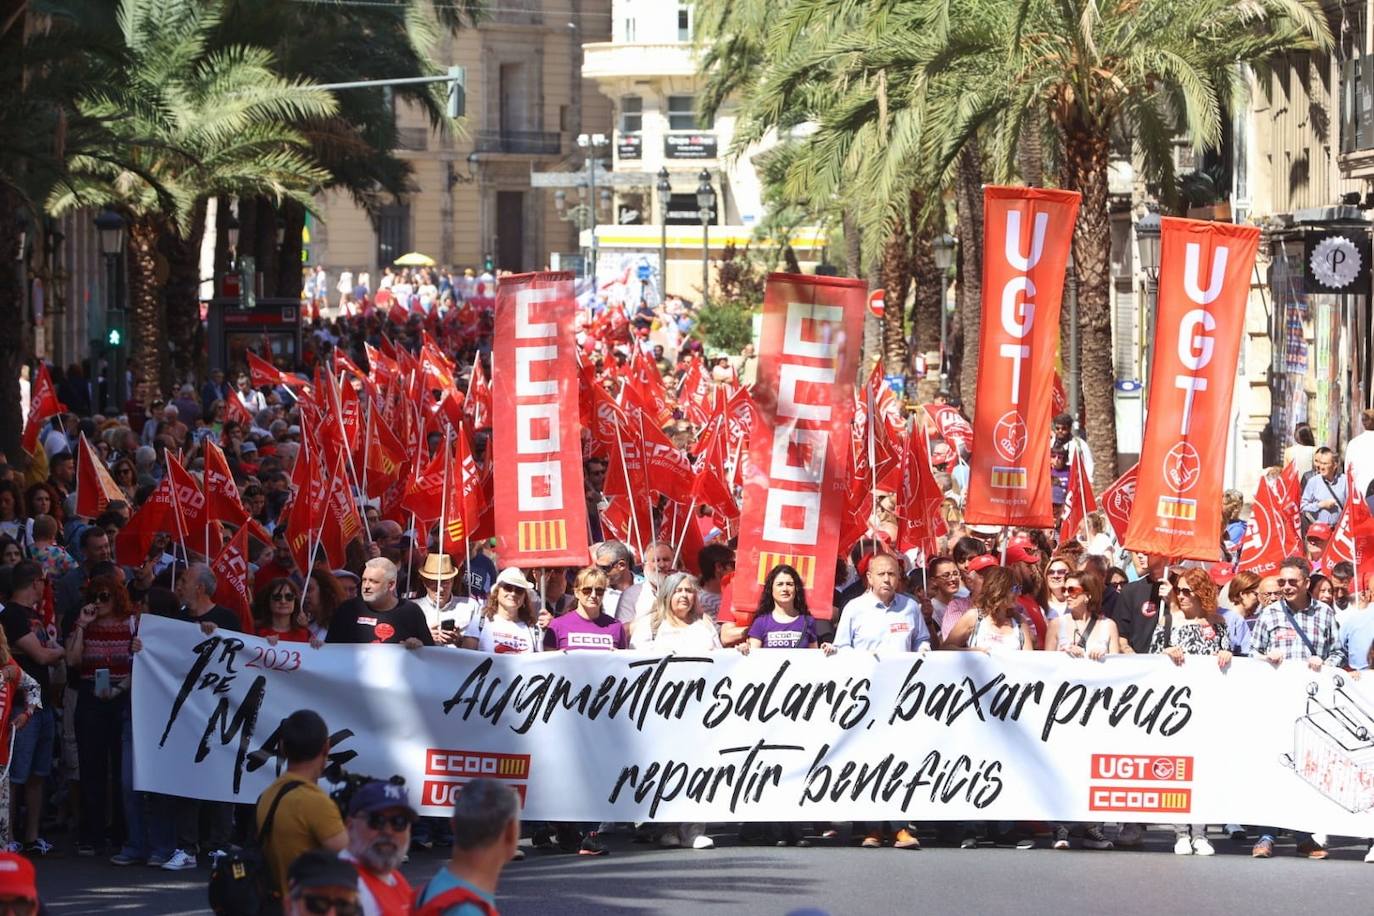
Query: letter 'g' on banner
x=795, y=481
x=541, y=508
x=1027, y=235
x=1204, y=279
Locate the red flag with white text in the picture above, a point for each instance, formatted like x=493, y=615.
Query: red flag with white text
x=43, y=403
x=1027, y=235
x=1270, y=536
x=230, y=567
x=1079, y=502
x=95, y=488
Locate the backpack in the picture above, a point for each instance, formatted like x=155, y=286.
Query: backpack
x=240, y=881
x=454, y=896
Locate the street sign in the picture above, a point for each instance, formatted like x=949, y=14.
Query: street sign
x=643, y=272
x=876, y=303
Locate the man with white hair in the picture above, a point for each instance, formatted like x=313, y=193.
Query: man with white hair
x=377, y=615
x=617, y=562
x=636, y=600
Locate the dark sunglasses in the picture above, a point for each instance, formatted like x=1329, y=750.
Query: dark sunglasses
x=1073, y=591
x=284, y=596
x=1057, y=572
x=318, y=904
x=1283, y=582
x=598, y=592
x=18, y=907
x=1183, y=592
x=101, y=596
x=399, y=823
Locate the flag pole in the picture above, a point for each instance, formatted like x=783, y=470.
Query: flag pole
x=632, y=527
x=443, y=493
x=367, y=444
x=677, y=550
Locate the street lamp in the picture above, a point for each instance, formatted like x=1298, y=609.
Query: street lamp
x=231, y=235
x=1147, y=246
x=943, y=250
x=665, y=192
x=111, y=226
x=706, y=202
x=1071, y=282
x=591, y=143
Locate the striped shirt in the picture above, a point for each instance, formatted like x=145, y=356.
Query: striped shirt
x=1274, y=629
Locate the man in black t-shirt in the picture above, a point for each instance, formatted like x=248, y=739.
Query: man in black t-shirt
x=196, y=590
x=377, y=615
x=1137, y=607
x=35, y=648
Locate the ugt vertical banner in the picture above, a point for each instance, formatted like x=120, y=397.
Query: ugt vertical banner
x=541, y=508
x=1026, y=242
x=794, y=483
x=1204, y=278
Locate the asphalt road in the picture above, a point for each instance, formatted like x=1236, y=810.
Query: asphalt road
x=839, y=880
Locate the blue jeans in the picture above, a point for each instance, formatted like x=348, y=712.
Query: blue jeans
x=138, y=844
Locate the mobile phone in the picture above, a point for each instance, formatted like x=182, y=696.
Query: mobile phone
x=102, y=680
x=448, y=624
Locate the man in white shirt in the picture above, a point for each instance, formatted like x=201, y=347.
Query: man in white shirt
x=446, y=613
x=1359, y=453
x=881, y=619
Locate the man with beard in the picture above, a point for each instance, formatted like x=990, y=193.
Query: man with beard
x=379, y=822
x=639, y=598
x=377, y=615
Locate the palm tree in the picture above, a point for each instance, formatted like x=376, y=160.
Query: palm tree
x=187, y=123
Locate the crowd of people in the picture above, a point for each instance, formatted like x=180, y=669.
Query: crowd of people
x=71, y=611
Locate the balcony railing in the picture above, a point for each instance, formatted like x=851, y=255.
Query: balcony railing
x=519, y=142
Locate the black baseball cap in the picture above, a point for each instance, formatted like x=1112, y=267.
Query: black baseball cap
x=317, y=868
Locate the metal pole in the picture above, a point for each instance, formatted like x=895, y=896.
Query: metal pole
x=705, y=258
x=944, y=325
x=591, y=204
x=111, y=397
x=1072, y=278
x=662, y=254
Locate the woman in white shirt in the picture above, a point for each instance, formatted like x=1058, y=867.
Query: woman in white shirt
x=507, y=624
x=676, y=623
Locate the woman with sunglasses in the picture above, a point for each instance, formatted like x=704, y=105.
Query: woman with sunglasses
x=100, y=654
x=1056, y=573
x=1083, y=631
x=587, y=626
x=125, y=476
x=507, y=623
x=278, y=615
x=993, y=624
x=1190, y=625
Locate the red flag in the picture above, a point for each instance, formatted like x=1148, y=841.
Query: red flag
x=236, y=412
x=477, y=407
x=384, y=456
x=1117, y=501
x=464, y=504
x=339, y=520
x=1270, y=535
x=135, y=538
x=262, y=373
x=709, y=487
x=1204, y=282
x=1028, y=232
x=795, y=486
x=1059, y=396
x=188, y=502
x=425, y=491
x=306, y=512
x=43, y=403
x=94, y=485
x=541, y=506
x=920, y=522
x=694, y=393
x=221, y=493
x=952, y=426
x=1079, y=502
x=230, y=567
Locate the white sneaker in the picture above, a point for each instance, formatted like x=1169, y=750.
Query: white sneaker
x=180, y=861
x=1320, y=839
x=1202, y=846
x=703, y=842
x=1369, y=856
x=1183, y=846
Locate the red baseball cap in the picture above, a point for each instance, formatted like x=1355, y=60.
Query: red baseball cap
x=982, y=562
x=16, y=877
x=1022, y=550
x=1319, y=530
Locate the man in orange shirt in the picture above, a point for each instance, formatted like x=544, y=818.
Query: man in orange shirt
x=379, y=822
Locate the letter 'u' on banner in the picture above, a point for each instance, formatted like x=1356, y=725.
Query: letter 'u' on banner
x=541, y=508
x=795, y=481
x=1204, y=279
x=1027, y=236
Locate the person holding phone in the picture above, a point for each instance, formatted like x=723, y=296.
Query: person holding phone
x=99, y=652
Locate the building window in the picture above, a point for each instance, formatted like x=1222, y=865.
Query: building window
x=684, y=22
x=631, y=114
x=393, y=233
x=682, y=113
x=630, y=30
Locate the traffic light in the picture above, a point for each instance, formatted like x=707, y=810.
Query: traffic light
x=457, y=91
x=115, y=338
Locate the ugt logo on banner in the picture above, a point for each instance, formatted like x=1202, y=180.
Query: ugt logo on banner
x=1026, y=247
x=1204, y=277
x=541, y=509
x=794, y=486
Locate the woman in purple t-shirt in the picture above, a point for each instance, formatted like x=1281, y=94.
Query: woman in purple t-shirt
x=782, y=621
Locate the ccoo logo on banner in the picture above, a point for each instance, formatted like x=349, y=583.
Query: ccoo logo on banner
x=1026, y=248
x=1204, y=278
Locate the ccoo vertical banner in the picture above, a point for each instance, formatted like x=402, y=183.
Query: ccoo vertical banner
x=795, y=480
x=1025, y=250
x=541, y=507
x=1204, y=279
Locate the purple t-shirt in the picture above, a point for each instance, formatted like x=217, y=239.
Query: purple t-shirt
x=799, y=634
x=573, y=631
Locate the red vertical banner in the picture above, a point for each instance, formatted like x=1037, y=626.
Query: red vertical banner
x=1027, y=235
x=1204, y=280
x=541, y=507
x=796, y=480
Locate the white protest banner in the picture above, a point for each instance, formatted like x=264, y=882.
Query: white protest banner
x=776, y=735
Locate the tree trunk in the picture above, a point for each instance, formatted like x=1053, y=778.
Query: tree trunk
x=265, y=243
x=289, y=278
x=185, y=335
x=146, y=309
x=896, y=284
x=1086, y=156
x=11, y=316
x=968, y=201
x=928, y=299
x=1030, y=149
